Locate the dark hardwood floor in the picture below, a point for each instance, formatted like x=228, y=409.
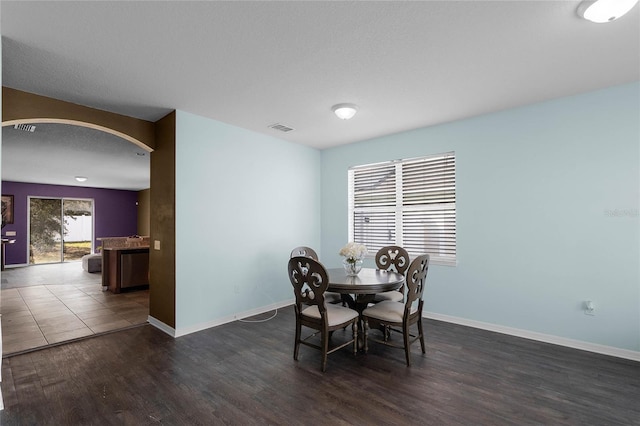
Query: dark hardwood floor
x=244, y=374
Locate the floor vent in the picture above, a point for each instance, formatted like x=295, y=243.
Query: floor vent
x=281, y=127
x=26, y=127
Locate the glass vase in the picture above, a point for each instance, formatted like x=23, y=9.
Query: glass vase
x=352, y=268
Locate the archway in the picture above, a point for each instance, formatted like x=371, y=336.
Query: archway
x=158, y=138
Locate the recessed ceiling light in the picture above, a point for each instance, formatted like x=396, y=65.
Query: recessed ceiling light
x=81, y=178
x=602, y=11
x=345, y=111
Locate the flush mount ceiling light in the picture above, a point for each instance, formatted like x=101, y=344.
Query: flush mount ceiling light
x=602, y=11
x=81, y=178
x=345, y=111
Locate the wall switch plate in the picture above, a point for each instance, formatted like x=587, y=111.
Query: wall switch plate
x=10, y=233
x=156, y=245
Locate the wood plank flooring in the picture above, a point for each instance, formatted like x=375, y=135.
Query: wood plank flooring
x=244, y=374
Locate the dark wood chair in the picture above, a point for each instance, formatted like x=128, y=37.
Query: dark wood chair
x=329, y=296
x=392, y=258
x=310, y=281
x=304, y=251
x=398, y=316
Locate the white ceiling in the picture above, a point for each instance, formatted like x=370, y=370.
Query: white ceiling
x=252, y=64
x=57, y=153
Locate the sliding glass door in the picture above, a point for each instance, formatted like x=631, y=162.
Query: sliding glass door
x=77, y=236
x=60, y=229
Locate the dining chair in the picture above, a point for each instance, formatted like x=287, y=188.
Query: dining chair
x=310, y=281
x=400, y=316
x=304, y=251
x=330, y=297
x=392, y=257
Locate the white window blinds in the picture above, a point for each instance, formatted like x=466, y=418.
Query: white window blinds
x=410, y=203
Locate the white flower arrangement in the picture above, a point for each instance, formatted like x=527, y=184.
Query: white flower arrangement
x=353, y=252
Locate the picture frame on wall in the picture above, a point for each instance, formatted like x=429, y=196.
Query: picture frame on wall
x=7, y=209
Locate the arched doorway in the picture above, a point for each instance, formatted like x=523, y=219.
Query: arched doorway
x=24, y=108
x=85, y=165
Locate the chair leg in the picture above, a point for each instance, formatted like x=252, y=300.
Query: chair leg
x=354, y=327
x=296, y=345
x=407, y=347
x=365, y=333
x=421, y=335
x=325, y=349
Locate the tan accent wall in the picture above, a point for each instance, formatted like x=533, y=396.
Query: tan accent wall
x=162, y=303
x=22, y=107
x=144, y=204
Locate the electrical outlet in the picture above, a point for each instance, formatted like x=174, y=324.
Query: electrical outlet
x=156, y=245
x=589, y=309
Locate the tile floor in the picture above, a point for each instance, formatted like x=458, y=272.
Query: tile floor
x=47, y=304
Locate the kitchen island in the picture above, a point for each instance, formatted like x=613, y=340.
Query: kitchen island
x=125, y=265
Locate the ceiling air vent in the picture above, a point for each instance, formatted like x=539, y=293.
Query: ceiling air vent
x=26, y=127
x=281, y=127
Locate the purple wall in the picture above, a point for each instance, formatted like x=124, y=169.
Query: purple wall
x=116, y=212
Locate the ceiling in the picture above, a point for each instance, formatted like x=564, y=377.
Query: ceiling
x=57, y=153
x=253, y=64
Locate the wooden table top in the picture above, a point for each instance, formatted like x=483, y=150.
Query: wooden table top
x=368, y=281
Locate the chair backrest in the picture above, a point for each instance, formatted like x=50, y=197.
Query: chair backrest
x=304, y=251
x=416, y=281
x=310, y=280
x=393, y=256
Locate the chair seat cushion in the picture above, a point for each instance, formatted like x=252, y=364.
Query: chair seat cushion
x=335, y=314
x=394, y=296
x=387, y=311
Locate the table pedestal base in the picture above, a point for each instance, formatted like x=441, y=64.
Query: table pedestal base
x=359, y=304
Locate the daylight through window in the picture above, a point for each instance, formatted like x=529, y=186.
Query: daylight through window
x=410, y=203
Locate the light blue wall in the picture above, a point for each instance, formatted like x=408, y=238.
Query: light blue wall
x=243, y=201
x=547, y=201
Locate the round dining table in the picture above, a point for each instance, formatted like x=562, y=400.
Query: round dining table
x=364, y=286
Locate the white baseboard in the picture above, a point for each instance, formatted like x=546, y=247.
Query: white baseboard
x=532, y=335
x=224, y=320
x=161, y=326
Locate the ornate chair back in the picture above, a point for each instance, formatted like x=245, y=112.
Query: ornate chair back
x=311, y=253
x=415, y=282
x=304, y=251
x=393, y=257
x=310, y=281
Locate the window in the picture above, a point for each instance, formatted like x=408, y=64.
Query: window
x=410, y=203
